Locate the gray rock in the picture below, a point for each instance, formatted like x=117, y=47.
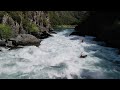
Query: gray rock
x=27, y=39
x=2, y=43
x=9, y=44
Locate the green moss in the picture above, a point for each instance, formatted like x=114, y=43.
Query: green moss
x=5, y=31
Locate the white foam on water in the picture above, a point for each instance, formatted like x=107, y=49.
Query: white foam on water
x=59, y=57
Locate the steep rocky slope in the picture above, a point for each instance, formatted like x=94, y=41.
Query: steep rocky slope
x=13, y=23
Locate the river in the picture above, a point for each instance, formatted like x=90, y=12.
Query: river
x=58, y=57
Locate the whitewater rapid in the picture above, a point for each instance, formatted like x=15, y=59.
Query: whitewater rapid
x=58, y=58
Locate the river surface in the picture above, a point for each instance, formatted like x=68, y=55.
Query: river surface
x=58, y=57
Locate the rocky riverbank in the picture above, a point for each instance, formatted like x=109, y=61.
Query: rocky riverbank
x=23, y=28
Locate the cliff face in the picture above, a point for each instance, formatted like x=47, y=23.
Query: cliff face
x=104, y=25
x=25, y=22
x=23, y=28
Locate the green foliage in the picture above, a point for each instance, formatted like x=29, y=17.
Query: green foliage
x=45, y=22
x=16, y=15
x=29, y=26
x=2, y=13
x=34, y=28
x=5, y=31
x=66, y=17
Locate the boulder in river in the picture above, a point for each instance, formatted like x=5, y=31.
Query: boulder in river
x=26, y=39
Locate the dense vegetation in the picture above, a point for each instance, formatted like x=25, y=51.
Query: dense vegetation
x=66, y=17
x=13, y=23
x=37, y=21
x=5, y=31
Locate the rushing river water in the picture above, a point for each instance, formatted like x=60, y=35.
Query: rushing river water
x=58, y=58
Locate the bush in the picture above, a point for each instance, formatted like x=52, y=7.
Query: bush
x=16, y=15
x=34, y=28
x=29, y=26
x=45, y=22
x=5, y=31
x=2, y=13
x=67, y=17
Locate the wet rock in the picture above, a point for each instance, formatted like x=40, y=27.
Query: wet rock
x=45, y=35
x=52, y=31
x=15, y=47
x=41, y=35
x=2, y=43
x=27, y=39
x=77, y=33
x=9, y=44
x=20, y=40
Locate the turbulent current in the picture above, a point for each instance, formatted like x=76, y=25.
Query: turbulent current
x=58, y=57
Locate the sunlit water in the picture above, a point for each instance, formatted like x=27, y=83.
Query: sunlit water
x=58, y=57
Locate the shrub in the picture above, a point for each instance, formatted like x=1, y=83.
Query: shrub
x=5, y=31
x=45, y=22
x=2, y=13
x=34, y=28
x=29, y=26
x=16, y=15
x=67, y=17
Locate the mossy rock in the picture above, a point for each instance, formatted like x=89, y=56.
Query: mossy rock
x=5, y=31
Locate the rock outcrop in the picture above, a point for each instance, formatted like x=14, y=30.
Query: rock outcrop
x=26, y=27
x=25, y=39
